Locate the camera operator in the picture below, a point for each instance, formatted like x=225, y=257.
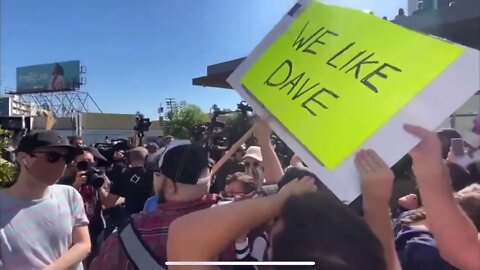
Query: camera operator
x=87, y=179
x=135, y=184
x=118, y=166
x=153, y=153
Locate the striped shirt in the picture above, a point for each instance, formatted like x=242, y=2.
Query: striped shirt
x=33, y=234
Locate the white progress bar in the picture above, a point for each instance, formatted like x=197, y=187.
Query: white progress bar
x=239, y=263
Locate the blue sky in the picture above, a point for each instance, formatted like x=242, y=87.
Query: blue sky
x=140, y=52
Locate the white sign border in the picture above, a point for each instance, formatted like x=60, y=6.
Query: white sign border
x=428, y=109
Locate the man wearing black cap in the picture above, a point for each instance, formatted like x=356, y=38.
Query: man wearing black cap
x=42, y=225
x=184, y=180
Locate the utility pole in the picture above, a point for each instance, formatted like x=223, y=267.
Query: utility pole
x=171, y=105
x=160, y=113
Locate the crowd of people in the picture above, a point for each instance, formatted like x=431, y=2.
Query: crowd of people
x=155, y=204
x=422, y=8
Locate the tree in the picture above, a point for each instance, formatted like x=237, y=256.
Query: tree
x=181, y=120
x=236, y=125
x=7, y=170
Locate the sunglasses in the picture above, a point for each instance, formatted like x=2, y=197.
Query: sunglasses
x=54, y=157
x=254, y=164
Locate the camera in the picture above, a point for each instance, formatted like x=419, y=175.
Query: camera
x=95, y=177
x=109, y=149
x=244, y=108
x=142, y=124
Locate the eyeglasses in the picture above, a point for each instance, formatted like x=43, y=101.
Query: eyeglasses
x=254, y=164
x=53, y=157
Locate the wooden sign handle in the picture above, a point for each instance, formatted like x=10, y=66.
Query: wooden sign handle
x=233, y=149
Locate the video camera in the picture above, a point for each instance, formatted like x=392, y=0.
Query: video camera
x=210, y=134
x=142, y=124
x=244, y=108
x=108, y=149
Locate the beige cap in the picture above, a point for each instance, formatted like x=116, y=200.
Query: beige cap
x=254, y=152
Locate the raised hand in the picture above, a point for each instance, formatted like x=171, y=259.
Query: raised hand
x=262, y=130
x=429, y=148
x=299, y=187
x=376, y=177
x=80, y=179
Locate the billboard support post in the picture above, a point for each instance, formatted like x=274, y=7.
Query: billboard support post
x=62, y=104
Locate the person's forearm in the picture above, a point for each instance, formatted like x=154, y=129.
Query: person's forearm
x=75, y=255
x=191, y=232
x=454, y=232
x=107, y=199
x=271, y=163
x=378, y=219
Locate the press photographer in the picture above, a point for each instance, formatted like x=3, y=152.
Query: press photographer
x=84, y=176
x=114, y=152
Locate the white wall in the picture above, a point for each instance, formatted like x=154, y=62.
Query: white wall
x=98, y=136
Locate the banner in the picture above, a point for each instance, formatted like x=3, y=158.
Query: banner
x=61, y=76
x=335, y=80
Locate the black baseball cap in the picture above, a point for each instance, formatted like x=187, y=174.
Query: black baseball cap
x=95, y=153
x=44, y=140
x=184, y=163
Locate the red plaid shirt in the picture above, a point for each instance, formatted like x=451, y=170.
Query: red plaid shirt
x=153, y=228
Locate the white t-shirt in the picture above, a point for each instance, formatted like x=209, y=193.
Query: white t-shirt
x=33, y=234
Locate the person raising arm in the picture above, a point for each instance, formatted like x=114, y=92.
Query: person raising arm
x=201, y=237
x=271, y=163
x=376, y=184
x=456, y=235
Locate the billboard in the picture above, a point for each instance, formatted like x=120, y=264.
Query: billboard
x=60, y=76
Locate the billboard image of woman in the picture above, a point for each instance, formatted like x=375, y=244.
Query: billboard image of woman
x=57, y=81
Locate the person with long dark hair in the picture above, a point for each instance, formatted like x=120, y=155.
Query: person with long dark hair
x=57, y=81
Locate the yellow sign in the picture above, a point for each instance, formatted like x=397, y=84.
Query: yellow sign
x=336, y=75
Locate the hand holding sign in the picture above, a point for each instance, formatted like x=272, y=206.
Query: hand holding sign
x=323, y=74
x=429, y=147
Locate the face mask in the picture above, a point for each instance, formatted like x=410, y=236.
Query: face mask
x=257, y=174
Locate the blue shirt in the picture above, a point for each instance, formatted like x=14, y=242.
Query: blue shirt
x=151, y=204
x=417, y=250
